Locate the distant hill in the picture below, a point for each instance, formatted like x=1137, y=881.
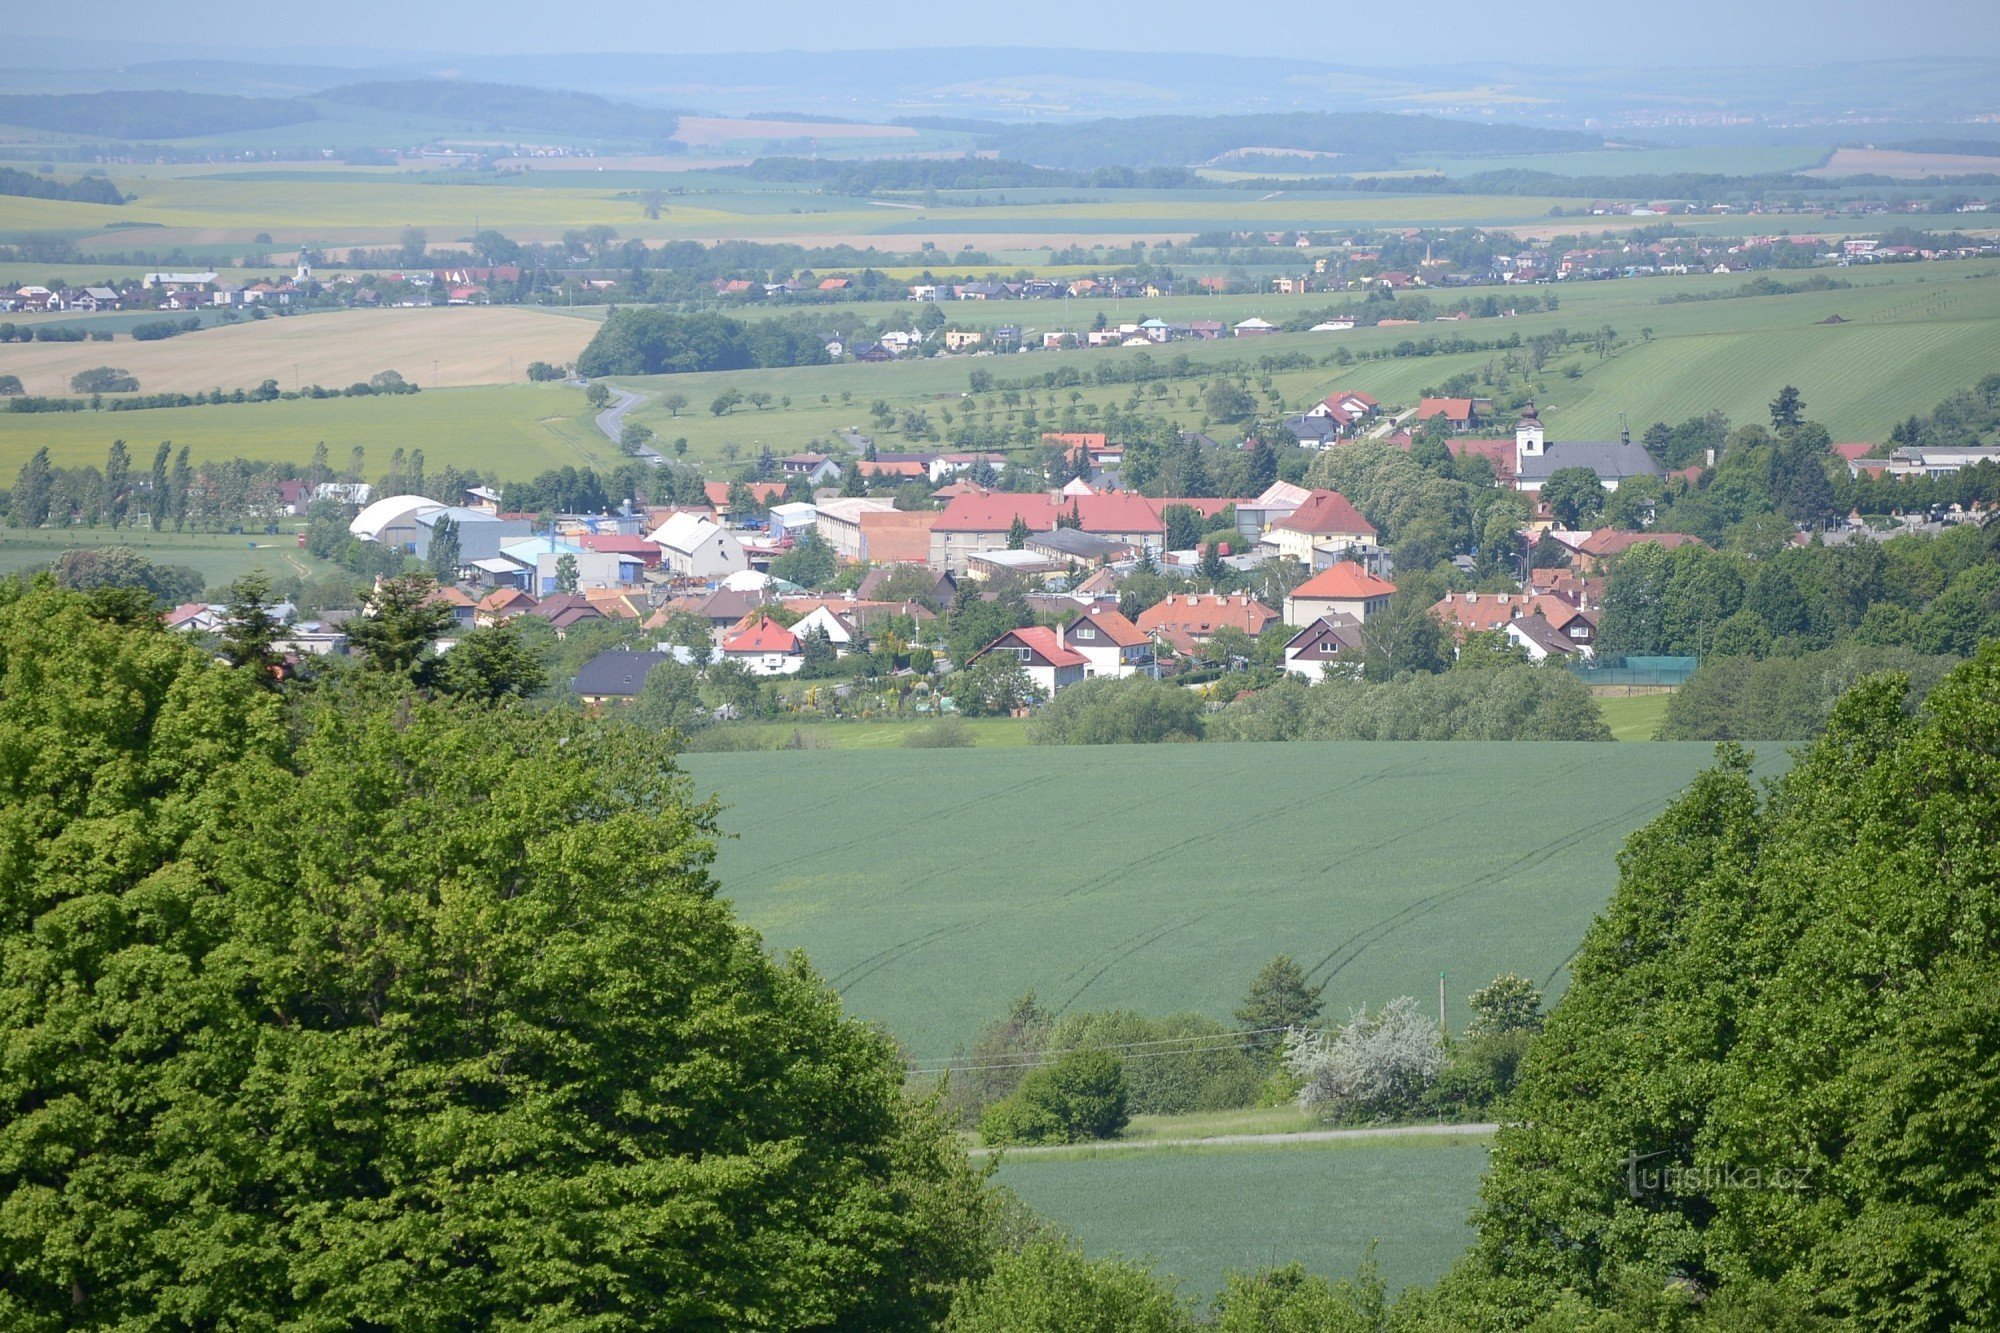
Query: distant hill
x=150, y=115
x=1180, y=141
x=513, y=107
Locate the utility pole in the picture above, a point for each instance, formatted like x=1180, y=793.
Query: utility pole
x=1444, y=1029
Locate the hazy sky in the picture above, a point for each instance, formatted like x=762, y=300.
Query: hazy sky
x=1342, y=32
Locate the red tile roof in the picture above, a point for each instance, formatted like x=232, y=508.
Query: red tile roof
x=1345, y=581
x=765, y=491
x=1112, y=625
x=1607, y=542
x=1451, y=409
x=764, y=636
x=1044, y=641
x=1204, y=613
x=1328, y=512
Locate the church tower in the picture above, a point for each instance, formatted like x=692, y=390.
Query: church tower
x=1528, y=438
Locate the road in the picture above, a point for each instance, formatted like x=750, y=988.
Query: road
x=612, y=422
x=1234, y=1140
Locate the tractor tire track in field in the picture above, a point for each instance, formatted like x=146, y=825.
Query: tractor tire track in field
x=1362, y=940
x=1116, y=958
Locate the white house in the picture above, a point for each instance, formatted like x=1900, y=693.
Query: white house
x=1049, y=665
x=1110, y=644
x=1329, y=646
x=694, y=548
x=765, y=648
x=1342, y=589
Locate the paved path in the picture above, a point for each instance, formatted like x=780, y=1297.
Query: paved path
x=612, y=422
x=1233, y=1140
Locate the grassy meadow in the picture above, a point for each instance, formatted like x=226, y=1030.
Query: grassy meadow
x=219, y=557
x=931, y=888
x=1198, y=1212
x=1633, y=717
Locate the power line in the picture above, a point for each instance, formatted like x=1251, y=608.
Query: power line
x=1130, y=1050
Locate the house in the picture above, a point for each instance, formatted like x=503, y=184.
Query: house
x=1593, y=551
x=1052, y=667
x=501, y=604
x=1329, y=645
x=1536, y=459
x=1342, y=589
x=1197, y=616
x=1484, y=612
x=1324, y=522
x=817, y=469
x=1459, y=412
x=461, y=605
x=959, y=340
x=941, y=587
x=973, y=524
x=564, y=610
x=764, y=648
x=1254, y=327
x=647, y=553
x=615, y=676
x=1110, y=644
x=1279, y=501
x=1534, y=635
x=694, y=548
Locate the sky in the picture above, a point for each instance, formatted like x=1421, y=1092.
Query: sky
x=1699, y=32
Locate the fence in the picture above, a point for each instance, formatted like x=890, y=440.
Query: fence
x=1668, y=671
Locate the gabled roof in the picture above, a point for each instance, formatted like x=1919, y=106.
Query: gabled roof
x=1451, y=409
x=1112, y=625
x=1042, y=641
x=1345, y=581
x=505, y=599
x=1606, y=542
x=683, y=532
x=1201, y=613
x=1327, y=512
x=617, y=672
x=1326, y=637
x=764, y=635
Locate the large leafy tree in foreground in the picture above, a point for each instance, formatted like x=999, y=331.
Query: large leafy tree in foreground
x=393, y=1013
x=1774, y=1082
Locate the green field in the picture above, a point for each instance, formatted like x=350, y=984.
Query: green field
x=1633, y=717
x=221, y=558
x=512, y=431
x=932, y=887
x=1197, y=1213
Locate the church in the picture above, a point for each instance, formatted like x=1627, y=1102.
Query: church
x=1537, y=458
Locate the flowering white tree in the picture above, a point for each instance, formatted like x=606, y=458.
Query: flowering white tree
x=1372, y=1068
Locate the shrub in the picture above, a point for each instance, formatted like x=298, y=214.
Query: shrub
x=103, y=379
x=1373, y=1068
x=1081, y=1096
x=10, y=385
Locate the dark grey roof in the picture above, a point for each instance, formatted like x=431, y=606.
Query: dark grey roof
x=1326, y=637
x=1082, y=545
x=1613, y=459
x=617, y=671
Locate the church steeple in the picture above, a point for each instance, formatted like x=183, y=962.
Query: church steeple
x=1529, y=441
